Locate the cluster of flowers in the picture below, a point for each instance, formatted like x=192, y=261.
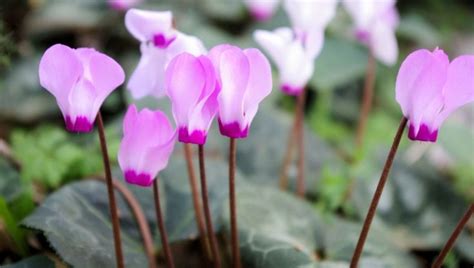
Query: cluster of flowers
x=231, y=82
x=227, y=81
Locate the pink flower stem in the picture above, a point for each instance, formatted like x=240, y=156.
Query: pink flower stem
x=232, y=203
x=378, y=193
x=111, y=195
x=196, y=203
x=207, y=211
x=300, y=186
x=367, y=100
x=161, y=225
x=449, y=244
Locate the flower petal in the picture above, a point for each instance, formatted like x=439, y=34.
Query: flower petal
x=275, y=43
x=144, y=25
x=81, y=101
x=184, y=82
x=185, y=43
x=207, y=107
x=259, y=82
x=459, y=87
x=262, y=9
x=384, y=43
x=233, y=70
x=148, y=77
x=302, y=13
x=59, y=70
x=420, y=81
x=365, y=12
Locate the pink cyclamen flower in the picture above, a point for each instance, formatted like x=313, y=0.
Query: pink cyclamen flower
x=123, y=4
x=192, y=88
x=160, y=42
x=429, y=88
x=245, y=79
x=293, y=56
x=80, y=80
x=147, y=144
x=262, y=10
x=375, y=24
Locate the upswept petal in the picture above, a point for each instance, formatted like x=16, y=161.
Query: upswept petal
x=144, y=25
x=274, y=43
x=259, y=83
x=207, y=107
x=233, y=70
x=81, y=101
x=262, y=9
x=459, y=87
x=302, y=13
x=186, y=43
x=145, y=149
x=148, y=76
x=314, y=42
x=184, y=82
x=365, y=12
x=59, y=70
x=384, y=43
x=420, y=79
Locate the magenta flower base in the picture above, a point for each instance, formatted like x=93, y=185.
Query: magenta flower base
x=142, y=179
x=233, y=130
x=292, y=91
x=160, y=41
x=196, y=137
x=81, y=124
x=424, y=134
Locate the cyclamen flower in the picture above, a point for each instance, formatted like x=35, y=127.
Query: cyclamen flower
x=245, y=79
x=123, y=4
x=192, y=88
x=429, y=88
x=160, y=43
x=293, y=56
x=147, y=144
x=375, y=24
x=80, y=80
x=262, y=10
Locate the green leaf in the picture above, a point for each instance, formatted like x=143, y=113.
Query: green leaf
x=21, y=96
x=10, y=184
x=340, y=62
x=12, y=228
x=379, y=250
x=275, y=229
x=33, y=262
x=76, y=222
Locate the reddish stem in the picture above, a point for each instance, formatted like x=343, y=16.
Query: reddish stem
x=207, y=210
x=196, y=203
x=366, y=105
x=300, y=186
x=233, y=207
x=161, y=225
x=110, y=191
x=139, y=217
x=378, y=193
x=457, y=231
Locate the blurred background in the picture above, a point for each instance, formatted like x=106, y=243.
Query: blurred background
x=430, y=187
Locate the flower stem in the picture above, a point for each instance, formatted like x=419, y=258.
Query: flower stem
x=300, y=186
x=298, y=116
x=139, y=217
x=449, y=244
x=366, y=100
x=196, y=203
x=232, y=203
x=111, y=195
x=207, y=212
x=161, y=225
x=378, y=193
